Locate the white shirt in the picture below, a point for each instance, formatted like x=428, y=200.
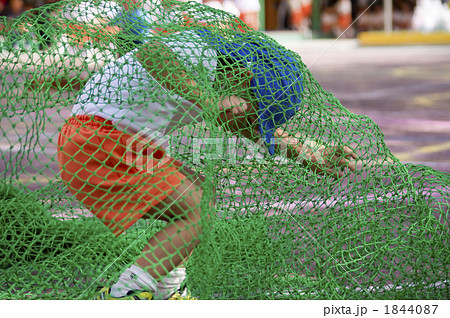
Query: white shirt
x=125, y=93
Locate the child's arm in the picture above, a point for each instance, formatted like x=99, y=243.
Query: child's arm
x=321, y=159
x=163, y=65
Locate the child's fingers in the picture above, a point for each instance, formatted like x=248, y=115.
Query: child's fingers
x=347, y=163
x=325, y=169
x=345, y=151
x=239, y=109
x=352, y=166
x=350, y=153
x=332, y=161
x=331, y=171
x=335, y=173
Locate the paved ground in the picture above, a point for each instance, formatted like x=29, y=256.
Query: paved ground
x=404, y=89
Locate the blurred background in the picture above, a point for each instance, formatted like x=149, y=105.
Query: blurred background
x=315, y=18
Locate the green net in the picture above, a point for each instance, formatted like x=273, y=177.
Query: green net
x=174, y=135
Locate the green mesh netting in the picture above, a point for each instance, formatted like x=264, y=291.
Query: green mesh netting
x=277, y=221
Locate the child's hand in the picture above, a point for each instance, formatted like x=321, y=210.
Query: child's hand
x=233, y=105
x=321, y=159
x=329, y=160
